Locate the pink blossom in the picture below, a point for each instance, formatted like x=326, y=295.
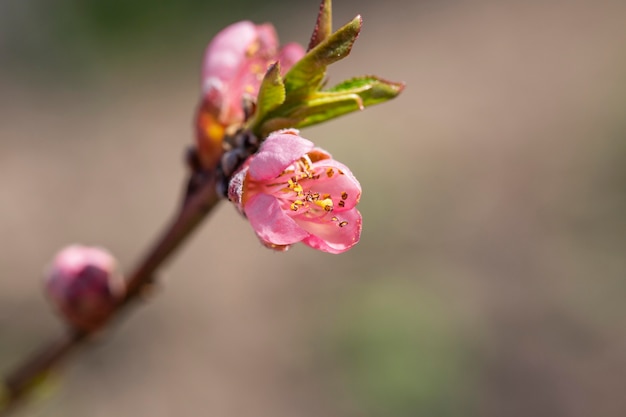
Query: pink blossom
x=293, y=192
x=234, y=65
x=84, y=286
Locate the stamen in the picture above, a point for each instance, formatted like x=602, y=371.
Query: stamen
x=326, y=204
x=344, y=195
x=330, y=172
x=312, y=196
x=342, y=203
x=343, y=224
x=296, y=205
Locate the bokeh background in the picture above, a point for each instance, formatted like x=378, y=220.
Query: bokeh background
x=490, y=279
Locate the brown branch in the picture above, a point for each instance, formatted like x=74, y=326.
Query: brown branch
x=20, y=382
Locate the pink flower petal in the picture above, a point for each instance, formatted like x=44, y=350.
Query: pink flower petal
x=289, y=55
x=318, y=154
x=338, y=181
x=329, y=236
x=271, y=223
x=277, y=152
x=268, y=39
x=227, y=51
x=235, y=187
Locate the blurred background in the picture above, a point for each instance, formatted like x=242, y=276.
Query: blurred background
x=490, y=278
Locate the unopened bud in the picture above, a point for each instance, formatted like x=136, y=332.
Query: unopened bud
x=84, y=285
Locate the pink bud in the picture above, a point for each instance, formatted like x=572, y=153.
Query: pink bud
x=84, y=286
x=234, y=65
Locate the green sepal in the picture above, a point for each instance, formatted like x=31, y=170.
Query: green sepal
x=323, y=26
x=271, y=92
x=307, y=75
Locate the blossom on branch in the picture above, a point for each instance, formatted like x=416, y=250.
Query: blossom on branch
x=84, y=285
x=292, y=191
x=234, y=65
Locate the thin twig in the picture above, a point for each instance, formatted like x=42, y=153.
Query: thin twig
x=19, y=383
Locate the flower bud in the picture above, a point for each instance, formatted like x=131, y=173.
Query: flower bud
x=84, y=285
x=233, y=67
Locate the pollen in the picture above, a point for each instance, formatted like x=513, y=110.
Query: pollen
x=312, y=196
x=296, y=205
x=344, y=195
x=343, y=224
x=342, y=203
x=326, y=204
x=292, y=184
x=330, y=172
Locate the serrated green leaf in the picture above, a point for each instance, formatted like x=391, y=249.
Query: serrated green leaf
x=271, y=92
x=324, y=24
x=307, y=75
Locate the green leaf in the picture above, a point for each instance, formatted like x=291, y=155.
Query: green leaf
x=324, y=24
x=349, y=96
x=306, y=75
x=271, y=92
x=377, y=87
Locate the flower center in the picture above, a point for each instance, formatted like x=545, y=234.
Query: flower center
x=294, y=189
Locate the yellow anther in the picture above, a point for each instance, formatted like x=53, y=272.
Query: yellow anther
x=326, y=204
x=343, y=224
